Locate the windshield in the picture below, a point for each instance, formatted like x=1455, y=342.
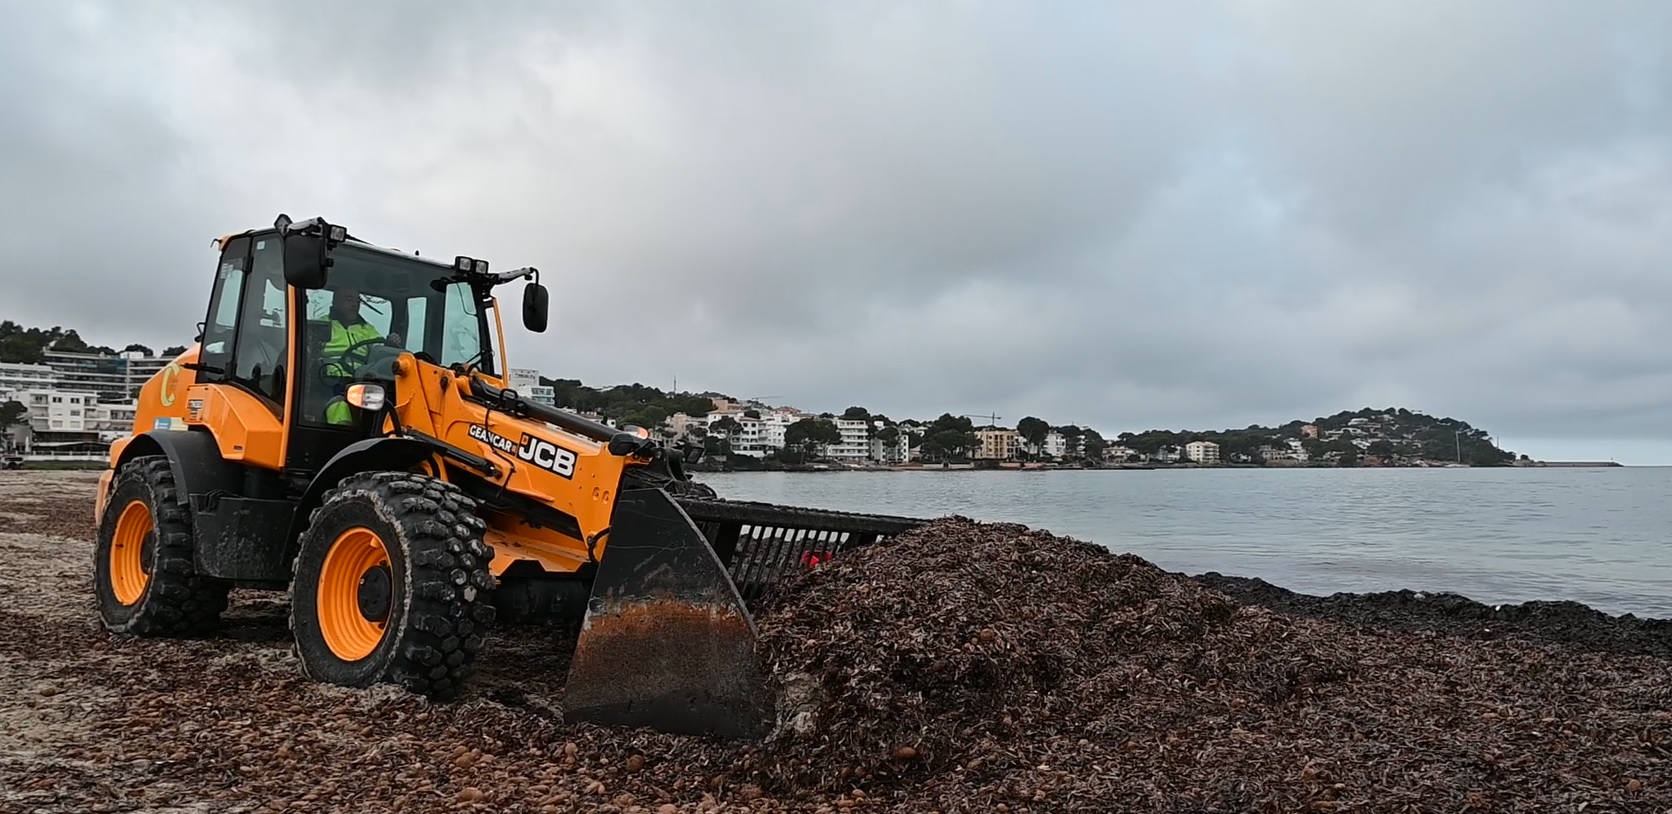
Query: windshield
x=373, y=301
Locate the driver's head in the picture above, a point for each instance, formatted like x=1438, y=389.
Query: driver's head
x=345, y=304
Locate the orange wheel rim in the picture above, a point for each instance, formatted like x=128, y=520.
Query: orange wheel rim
x=128, y=574
x=352, y=582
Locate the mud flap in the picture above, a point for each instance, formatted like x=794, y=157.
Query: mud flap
x=667, y=642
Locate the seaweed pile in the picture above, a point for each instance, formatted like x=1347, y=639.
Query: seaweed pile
x=981, y=665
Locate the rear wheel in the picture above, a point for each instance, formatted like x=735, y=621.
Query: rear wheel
x=143, y=574
x=391, y=585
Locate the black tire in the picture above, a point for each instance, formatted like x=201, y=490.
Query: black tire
x=174, y=601
x=438, y=605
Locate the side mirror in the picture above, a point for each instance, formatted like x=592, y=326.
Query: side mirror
x=305, y=261
x=535, y=300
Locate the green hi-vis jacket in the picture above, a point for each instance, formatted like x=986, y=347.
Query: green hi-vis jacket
x=344, y=337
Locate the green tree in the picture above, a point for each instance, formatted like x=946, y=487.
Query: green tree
x=856, y=414
x=1034, y=431
x=1072, y=441
x=810, y=436
x=1093, y=445
x=650, y=416
x=949, y=446
x=70, y=341
x=947, y=421
x=726, y=425
x=174, y=350
x=11, y=414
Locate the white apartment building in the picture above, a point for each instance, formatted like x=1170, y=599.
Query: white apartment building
x=1056, y=445
x=15, y=376
x=774, y=425
x=526, y=381
x=141, y=368
x=110, y=378
x=757, y=436
x=898, y=452
x=67, y=416
x=856, y=441
x=95, y=373
x=746, y=439
x=1202, y=452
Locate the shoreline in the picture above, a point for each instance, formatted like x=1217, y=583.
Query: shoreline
x=836, y=469
x=1561, y=621
x=1545, y=621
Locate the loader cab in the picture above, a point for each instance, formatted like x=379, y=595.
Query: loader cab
x=301, y=312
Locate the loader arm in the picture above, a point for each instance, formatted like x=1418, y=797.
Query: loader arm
x=667, y=638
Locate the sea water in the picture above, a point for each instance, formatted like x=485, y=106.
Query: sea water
x=1601, y=536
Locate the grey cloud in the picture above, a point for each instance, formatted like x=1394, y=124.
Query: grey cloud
x=1183, y=215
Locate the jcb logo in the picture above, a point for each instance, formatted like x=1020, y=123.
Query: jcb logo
x=547, y=455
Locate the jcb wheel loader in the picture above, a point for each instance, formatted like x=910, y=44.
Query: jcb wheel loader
x=342, y=430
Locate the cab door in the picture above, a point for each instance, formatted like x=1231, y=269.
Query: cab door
x=242, y=372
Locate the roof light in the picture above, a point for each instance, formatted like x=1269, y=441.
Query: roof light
x=481, y=267
x=462, y=263
x=339, y=234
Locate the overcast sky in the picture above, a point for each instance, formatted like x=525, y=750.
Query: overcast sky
x=1129, y=216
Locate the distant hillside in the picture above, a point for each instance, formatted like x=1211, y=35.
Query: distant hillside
x=1347, y=437
x=629, y=403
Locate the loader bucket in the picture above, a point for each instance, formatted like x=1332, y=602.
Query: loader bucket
x=762, y=544
x=667, y=642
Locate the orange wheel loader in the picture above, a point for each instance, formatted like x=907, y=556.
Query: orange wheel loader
x=342, y=430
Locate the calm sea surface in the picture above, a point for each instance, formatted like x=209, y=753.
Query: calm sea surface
x=1598, y=536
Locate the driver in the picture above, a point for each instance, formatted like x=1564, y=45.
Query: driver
x=348, y=329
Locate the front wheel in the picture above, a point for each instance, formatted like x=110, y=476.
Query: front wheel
x=143, y=573
x=391, y=585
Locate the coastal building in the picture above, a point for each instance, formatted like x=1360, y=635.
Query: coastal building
x=775, y=424
x=1120, y=454
x=681, y=424
x=59, y=418
x=16, y=376
x=897, y=452
x=526, y=381
x=759, y=429
x=1056, y=445
x=856, y=441
x=523, y=378
x=1309, y=431
x=996, y=443
x=141, y=368
x=1202, y=452
x=110, y=378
